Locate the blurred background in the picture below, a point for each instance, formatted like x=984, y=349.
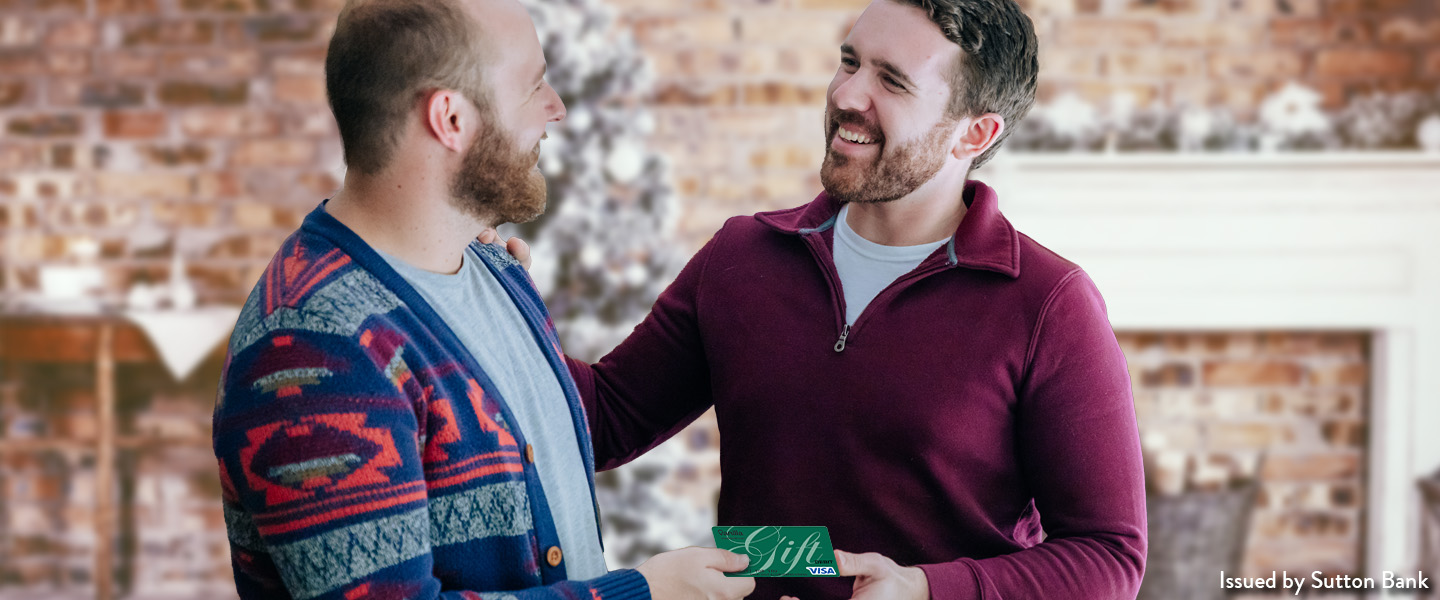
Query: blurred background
x=1253, y=184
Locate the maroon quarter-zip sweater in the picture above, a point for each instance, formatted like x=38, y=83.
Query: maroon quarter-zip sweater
x=978, y=399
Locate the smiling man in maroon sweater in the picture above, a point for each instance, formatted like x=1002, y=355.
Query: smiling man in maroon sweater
x=893, y=360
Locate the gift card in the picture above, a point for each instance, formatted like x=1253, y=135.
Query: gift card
x=776, y=551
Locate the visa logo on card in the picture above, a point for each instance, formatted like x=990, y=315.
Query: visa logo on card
x=788, y=551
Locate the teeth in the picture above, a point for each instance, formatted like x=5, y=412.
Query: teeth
x=851, y=136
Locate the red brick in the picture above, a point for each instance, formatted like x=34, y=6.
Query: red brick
x=194, y=93
x=142, y=186
x=328, y=7
x=118, y=7
x=1409, y=30
x=775, y=92
x=171, y=33
x=13, y=93
x=1269, y=8
x=696, y=29
x=45, y=125
x=1344, y=433
x=317, y=184
x=228, y=122
x=1068, y=63
x=273, y=153
x=1107, y=32
x=60, y=5
x=1340, y=374
x=131, y=124
x=16, y=156
x=812, y=28
x=124, y=64
x=787, y=156
x=21, y=62
x=1318, y=32
x=176, y=156
x=1247, y=436
x=112, y=94
x=1151, y=63
x=1198, y=33
x=218, y=63
x=185, y=214
x=299, y=62
x=217, y=185
x=253, y=215
x=1163, y=8
x=1364, y=63
x=1252, y=373
x=1366, y=7
x=851, y=5
x=72, y=34
x=67, y=62
x=1332, y=465
x=228, y=6
x=285, y=28
x=1270, y=64
x=300, y=90
x=1431, y=69
x=694, y=94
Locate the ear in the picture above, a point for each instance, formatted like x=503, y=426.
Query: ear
x=450, y=118
x=977, y=134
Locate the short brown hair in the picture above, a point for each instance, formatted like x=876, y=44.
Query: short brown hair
x=383, y=55
x=998, y=65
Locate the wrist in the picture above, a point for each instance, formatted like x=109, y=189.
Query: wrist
x=919, y=583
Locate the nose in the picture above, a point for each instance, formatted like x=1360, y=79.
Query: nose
x=850, y=93
x=555, y=107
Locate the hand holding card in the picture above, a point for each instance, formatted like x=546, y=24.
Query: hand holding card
x=780, y=551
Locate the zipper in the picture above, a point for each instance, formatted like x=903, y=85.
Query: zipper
x=832, y=277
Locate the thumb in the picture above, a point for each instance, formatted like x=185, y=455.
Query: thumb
x=730, y=562
x=520, y=250
x=855, y=565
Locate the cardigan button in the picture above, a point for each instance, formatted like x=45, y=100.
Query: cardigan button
x=553, y=556
x=530, y=453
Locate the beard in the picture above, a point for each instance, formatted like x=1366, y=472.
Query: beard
x=495, y=184
x=887, y=177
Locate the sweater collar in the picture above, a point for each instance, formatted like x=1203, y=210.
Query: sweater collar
x=984, y=240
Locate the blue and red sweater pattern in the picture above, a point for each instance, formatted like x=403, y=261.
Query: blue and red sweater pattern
x=364, y=454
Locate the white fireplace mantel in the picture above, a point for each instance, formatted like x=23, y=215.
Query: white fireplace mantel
x=1325, y=241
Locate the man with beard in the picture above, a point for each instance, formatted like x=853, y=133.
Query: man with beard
x=893, y=360
x=394, y=418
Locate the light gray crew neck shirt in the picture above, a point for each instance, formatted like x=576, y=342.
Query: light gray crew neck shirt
x=867, y=268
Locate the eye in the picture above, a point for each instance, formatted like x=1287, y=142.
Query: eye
x=849, y=63
x=890, y=81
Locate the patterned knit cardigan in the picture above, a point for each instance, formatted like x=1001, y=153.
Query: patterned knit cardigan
x=364, y=454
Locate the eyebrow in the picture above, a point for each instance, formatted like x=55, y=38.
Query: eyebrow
x=884, y=65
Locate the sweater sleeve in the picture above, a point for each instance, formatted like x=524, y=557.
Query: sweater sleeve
x=324, y=488
x=1079, y=451
x=655, y=382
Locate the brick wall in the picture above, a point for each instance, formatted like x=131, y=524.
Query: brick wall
x=131, y=121
x=1211, y=404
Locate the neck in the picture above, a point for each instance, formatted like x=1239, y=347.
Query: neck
x=409, y=217
x=930, y=213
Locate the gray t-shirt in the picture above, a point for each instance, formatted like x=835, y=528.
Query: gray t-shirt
x=480, y=312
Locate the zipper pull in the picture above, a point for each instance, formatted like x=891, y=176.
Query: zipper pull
x=844, y=333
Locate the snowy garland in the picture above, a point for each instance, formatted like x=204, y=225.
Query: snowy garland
x=1290, y=119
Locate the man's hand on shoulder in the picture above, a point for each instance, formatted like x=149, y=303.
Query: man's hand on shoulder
x=879, y=578
x=515, y=246
x=696, y=574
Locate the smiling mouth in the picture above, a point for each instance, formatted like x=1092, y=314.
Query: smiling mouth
x=853, y=137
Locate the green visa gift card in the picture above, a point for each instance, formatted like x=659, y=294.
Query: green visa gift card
x=780, y=551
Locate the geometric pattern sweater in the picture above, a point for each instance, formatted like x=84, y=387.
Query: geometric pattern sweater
x=364, y=454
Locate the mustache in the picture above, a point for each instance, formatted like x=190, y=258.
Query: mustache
x=855, y=122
